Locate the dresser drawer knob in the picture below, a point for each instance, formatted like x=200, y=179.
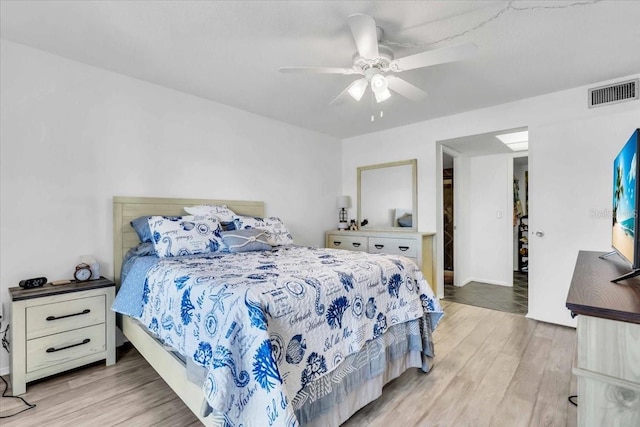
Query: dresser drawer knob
x=379, y=246
x=85, y=311
x=403, y=248
x=357, y=245
x=337, y=243
x=53, y=349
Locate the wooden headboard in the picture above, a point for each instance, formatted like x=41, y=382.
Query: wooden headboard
x=126, y=209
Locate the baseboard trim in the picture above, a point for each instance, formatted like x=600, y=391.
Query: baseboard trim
x=487, y=281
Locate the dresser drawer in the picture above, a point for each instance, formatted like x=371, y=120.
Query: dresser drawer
x=60, y=348
x=609, y=347
x=63, y=316
x=352, y=243
x=393, y=246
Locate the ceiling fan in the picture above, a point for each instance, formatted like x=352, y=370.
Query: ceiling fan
x=376, y=63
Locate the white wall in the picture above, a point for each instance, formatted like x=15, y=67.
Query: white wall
x=490, y=218
x=570, y=199
x=562, y=130
x=462, y=220
x=73, y=136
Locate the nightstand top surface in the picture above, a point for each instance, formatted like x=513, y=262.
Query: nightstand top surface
x=18, y=293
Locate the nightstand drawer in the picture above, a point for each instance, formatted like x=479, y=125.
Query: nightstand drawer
x=47, y=319
x=393, y=246
x=351, y=243
x=60, y=348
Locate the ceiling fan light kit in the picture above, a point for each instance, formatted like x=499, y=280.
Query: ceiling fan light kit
x=382, y=95
x=357, y=88
x=375, y=62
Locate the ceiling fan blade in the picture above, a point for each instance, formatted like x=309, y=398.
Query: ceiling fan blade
x=365, y=34
x=344, y=95
x=317, y=70
x=434, y=57
x=405, y=88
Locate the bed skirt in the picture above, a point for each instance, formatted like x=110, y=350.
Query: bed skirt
x=335, y=397
x=366, y=393
x=331, y=399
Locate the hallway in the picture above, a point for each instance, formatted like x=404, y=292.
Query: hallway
x=502, y=298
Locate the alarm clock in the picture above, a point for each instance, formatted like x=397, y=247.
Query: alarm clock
x=83, y=272
x=36, y=282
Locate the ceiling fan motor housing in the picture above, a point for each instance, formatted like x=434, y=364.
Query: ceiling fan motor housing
x=381, y=63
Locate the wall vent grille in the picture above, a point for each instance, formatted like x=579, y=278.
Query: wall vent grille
x=612, y=94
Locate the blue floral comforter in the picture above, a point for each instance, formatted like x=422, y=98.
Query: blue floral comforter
x=265, y=324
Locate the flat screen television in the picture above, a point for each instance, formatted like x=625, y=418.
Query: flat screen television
x=625, y=202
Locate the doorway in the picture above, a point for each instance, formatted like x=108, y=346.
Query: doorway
x=521, y=232
x=480, y=244
x=448, y=217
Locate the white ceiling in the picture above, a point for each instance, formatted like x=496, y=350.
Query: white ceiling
x=230, y=51
x=482, y=144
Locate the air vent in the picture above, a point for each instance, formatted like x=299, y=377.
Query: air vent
x=612, y=94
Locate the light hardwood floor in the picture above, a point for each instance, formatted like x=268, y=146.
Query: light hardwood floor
x=492, y=369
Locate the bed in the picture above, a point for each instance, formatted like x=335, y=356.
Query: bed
x=287, y=337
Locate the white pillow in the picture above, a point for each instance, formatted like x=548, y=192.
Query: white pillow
x=277, y=233
x=222, y=212
x=185, y=235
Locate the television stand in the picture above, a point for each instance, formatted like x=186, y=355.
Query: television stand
x=629, y=275
x=608, y=343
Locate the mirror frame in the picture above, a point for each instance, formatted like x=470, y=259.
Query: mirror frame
x=414, y=193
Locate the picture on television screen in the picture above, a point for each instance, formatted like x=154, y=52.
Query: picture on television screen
x=625, y=168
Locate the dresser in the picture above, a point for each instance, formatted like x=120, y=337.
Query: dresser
x=57, y=328
x=608, y=335
x=417, y=246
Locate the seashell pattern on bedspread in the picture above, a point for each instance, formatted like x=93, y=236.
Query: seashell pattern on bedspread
x=266, y=324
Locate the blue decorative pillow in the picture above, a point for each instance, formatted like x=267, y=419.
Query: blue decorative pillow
x=277, y=233
x=246, y=240
x=143, y=249
x=221, y=212
x=185, y=235
x=141, y=225
x=228, y=226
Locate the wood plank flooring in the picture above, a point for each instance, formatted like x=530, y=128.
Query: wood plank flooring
x=492, y=369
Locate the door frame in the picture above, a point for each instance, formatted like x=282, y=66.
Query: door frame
x=440, y=149
x=518, y=155
x=458, y=156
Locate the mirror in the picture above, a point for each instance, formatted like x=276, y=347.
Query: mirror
x=387, y=196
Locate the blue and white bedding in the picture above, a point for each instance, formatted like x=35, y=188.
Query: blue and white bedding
x=267, y=325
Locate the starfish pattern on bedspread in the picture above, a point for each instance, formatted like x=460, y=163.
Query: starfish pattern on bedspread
x=265, y=324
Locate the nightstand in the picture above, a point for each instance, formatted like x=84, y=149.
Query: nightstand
x=57, y=328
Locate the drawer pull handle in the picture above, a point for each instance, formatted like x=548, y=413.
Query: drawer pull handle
x=403, y=248
x=337, y=243
x=379, y=246
x=85, y=311
x=357, y=245
x=53, y=349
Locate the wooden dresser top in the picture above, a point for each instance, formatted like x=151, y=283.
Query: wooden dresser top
x=593, y=294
